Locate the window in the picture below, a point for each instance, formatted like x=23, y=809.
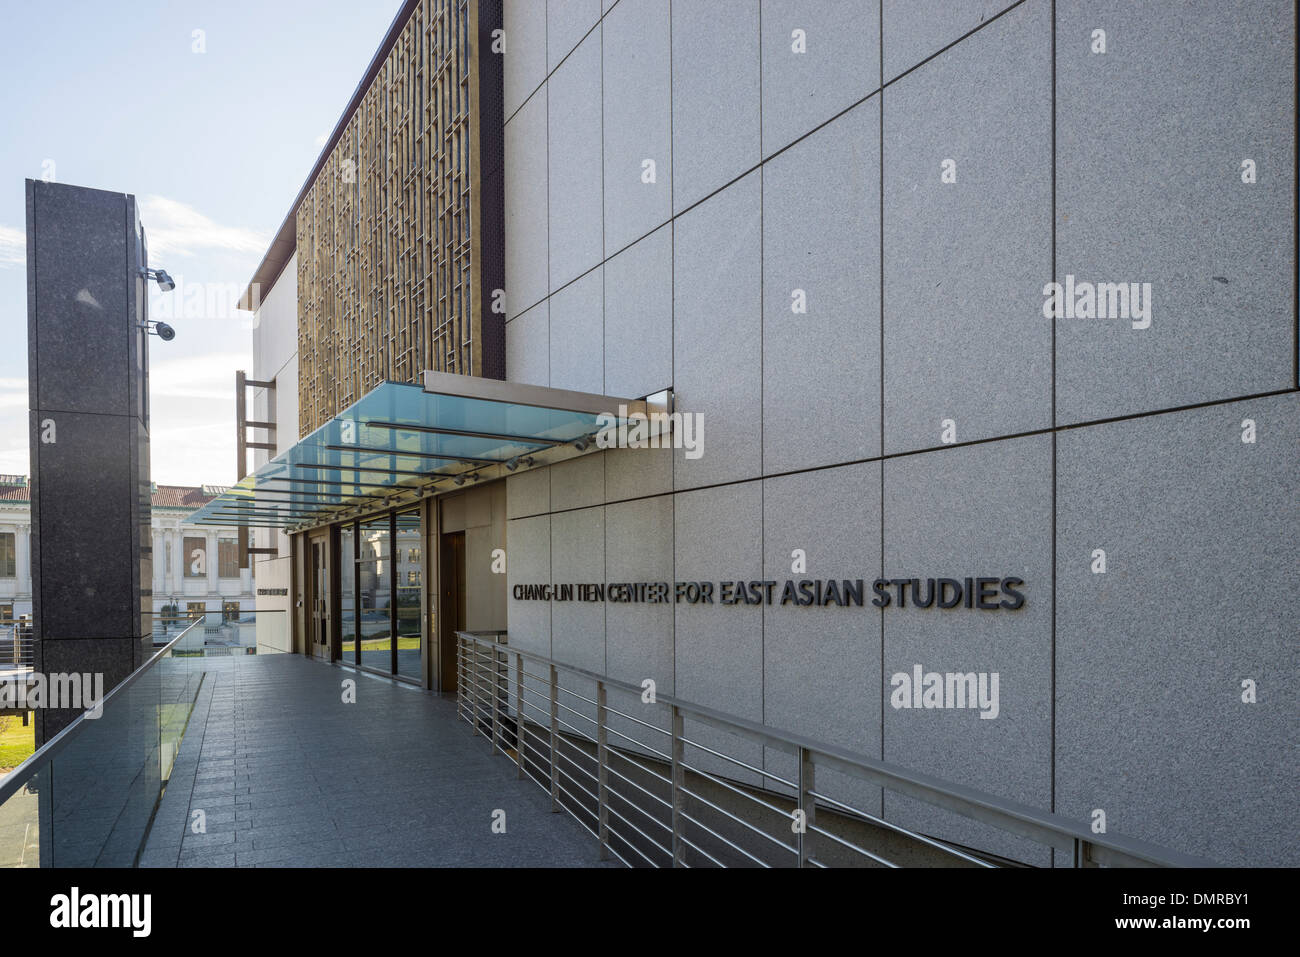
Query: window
x=230, y=611
x=413, y=578
x=8, y=556
x=228, y=557
x=413, y=556
x=196, y=609
x=195, y=557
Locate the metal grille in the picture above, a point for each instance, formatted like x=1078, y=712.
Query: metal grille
x=384, y=234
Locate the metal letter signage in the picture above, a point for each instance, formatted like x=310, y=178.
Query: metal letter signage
x=985, y=593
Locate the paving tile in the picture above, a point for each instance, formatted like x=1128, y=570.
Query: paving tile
x=289, y=777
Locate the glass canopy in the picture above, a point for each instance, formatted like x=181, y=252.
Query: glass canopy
x=401, y=437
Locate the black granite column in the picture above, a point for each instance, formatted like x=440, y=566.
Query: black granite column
x=87, y=302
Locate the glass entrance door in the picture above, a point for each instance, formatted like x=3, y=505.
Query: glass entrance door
x=409, y=583
x=375, y=592
x=348, y=648
x=318, y=577
x=386, y=597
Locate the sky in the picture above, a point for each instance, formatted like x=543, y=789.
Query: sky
x=214, y=132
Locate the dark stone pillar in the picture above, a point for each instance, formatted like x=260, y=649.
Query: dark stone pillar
x=87, y=303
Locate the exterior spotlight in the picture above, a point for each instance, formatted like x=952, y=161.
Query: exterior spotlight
x=165, y=282
x=582, y=443
x=160, y=329
x=460, y=479
x=512, y=464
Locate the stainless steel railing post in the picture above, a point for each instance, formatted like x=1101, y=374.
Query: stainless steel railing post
x=519, y=713
x=475, y=690
x=471, y=700
x=555, y=739
x=807, y=805
x=463, y=699
x=602, y=772
x=496, y=699
x=678, y=785
x=483, y=695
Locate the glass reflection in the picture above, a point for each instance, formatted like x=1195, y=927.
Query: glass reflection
x=409, y=583
x=348, y=598
x=375, y=566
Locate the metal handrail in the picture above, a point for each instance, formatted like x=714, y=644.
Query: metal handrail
x=19, y=776
x=481, y=703
x=20, y=636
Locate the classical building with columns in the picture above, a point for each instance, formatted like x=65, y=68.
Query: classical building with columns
x=15, y=548
x=195, y=569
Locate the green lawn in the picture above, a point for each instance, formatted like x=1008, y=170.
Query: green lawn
x=16, y=742
x=380, y=643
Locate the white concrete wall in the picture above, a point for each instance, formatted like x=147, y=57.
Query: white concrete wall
x=275, y=359
x=780, y=170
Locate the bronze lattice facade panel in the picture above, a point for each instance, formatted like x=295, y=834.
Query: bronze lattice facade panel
x=390, y=235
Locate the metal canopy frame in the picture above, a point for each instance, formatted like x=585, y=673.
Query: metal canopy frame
x=402, y=442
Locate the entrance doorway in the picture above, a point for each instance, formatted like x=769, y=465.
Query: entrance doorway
x=469, y=591
x=382, y=590
x=452, y=604
x=318, y=595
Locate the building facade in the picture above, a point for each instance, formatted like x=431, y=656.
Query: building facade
x=195, y=569
x=985, y=317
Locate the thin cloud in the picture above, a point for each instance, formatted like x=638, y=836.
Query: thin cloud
x=14, y=394
x=13, y=247
x=173, y=228
x=209, y=376
x=13, y=429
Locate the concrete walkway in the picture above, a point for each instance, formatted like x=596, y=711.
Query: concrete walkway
x=288, y=775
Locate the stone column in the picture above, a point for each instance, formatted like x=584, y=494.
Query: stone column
x=89, y=402
x=178, y=560
x=210, y=537
x=23, y=559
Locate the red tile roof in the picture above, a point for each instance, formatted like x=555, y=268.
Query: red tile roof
x=180, y=496
x=14, y=493
x=164, y=496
